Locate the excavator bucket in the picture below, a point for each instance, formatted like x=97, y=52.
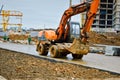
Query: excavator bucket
x=78, y=47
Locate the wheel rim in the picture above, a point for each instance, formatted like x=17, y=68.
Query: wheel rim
x=54, y=51
x=41, y=49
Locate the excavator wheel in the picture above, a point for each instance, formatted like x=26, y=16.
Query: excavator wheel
x=63, y=54
x=77, y=56
x=54, y=51
x=42, y=49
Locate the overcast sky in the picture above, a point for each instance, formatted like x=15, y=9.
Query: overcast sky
x=37, y=13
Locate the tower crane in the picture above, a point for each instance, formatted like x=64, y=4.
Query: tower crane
x=6, y=14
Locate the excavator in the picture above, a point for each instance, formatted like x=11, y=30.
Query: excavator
x=69, y=38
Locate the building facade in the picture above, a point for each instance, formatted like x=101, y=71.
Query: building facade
x=107, y=17
x=116, y=15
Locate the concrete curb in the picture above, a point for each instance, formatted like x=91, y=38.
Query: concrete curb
x=2, y=78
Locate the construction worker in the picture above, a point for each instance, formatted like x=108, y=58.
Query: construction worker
x=29, y=39
x=5, y=37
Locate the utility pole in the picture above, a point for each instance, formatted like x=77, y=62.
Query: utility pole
x=70, y=4
x=1, y=9
x=80, y=17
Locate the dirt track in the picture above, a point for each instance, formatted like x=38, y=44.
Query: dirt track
x=108, y=38
x=16, y=66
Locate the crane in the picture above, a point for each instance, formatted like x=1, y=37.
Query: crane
x=6, y=14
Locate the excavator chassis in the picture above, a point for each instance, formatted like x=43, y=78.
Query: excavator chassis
x=77, y=49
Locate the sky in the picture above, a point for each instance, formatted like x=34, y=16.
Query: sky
x=40, y=14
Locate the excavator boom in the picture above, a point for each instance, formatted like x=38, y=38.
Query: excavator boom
x=91, y=8
x=90, y=18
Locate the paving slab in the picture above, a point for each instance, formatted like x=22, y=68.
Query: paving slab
x=108, y=63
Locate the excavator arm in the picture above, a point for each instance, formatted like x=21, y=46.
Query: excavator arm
x=90, y=18
x=91, y=8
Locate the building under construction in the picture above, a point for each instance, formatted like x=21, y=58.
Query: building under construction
x=108, y=16
x=116, y=15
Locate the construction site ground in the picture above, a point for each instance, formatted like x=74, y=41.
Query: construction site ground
x=18, y=66
x=105, y=38
x=14, y=65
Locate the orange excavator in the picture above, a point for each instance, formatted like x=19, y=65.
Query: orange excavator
x=68, y=38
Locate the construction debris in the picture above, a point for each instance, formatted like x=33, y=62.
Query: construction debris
x=108, y=38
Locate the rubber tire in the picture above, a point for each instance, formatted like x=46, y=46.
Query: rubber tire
x=42, y=50
x=54, y=51
x=63, y=54
x=77, y=56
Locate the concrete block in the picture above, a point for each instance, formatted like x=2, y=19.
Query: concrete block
x=109, y=51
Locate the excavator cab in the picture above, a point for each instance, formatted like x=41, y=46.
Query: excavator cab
x=74, y=30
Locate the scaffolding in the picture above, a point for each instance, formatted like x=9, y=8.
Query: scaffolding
x=6, y=16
